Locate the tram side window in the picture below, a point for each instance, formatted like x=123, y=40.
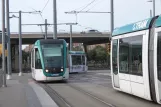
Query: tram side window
x=131, y=55
x=159, y=56
x=124, y=55
x=83, y=59
x=136, y=55
x=114, y=56
x=37, y=60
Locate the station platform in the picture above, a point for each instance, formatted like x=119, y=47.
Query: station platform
x=24, y=92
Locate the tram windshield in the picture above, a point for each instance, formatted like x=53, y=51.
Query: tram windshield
x=78, y=60
x=53, y=55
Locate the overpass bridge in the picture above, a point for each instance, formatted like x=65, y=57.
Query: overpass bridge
x=77, y=37
x=31, y=37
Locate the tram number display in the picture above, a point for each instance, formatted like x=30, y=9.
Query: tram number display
x=54, y=74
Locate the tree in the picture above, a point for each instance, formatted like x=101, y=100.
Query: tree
x=99, y=53
x=25, y=55
x=91, y=55
x=77, y=48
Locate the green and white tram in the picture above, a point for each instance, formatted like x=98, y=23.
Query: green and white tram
x=136, y=59
x=77, y=61
x=48, y=60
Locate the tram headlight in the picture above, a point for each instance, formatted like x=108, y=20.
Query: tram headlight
x=47, y=70
x=61, y=70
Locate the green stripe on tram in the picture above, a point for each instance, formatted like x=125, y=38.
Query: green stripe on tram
x=158, y=22
x=76, y=52
x=138, y=26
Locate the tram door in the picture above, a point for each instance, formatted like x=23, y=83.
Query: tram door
x=33, y=62
x=115, y=63
x=157, y=63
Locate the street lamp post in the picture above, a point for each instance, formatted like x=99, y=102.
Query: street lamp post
x=150, y=13
x=8, y=44
x=46, y=28
x=20, y=42
x=20, y=45
x=3, y=45
x=54, y=20
x=111, y=12
x=112, y=16
x=153, y=6
x=20, y=37
x=71, y=43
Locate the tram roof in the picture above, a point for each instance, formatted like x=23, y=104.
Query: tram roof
x=48, y=41
x=133, y=27
x=37, y=43
x=76, y=52
x=158, y=22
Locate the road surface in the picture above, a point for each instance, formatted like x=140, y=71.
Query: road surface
x=92, y=89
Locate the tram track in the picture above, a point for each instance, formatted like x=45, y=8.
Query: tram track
x=62, y=101
x=55, y=96
x=91, y=95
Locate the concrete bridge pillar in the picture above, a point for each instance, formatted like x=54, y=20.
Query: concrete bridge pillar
x=85, y=48
x=14, y=57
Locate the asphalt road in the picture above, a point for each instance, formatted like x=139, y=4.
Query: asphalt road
x=94, y=89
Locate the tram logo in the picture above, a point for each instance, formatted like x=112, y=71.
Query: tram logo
x=140, y=25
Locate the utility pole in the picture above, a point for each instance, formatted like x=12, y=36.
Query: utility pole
x=3, y=46
x=71, y=42
x=150, y=13
x=152, y=1
x=8, y=44
x=45, y=28
x=20, y=45
x=112, y=16
x=54, y=20
x=20, y=38
x=153, y=8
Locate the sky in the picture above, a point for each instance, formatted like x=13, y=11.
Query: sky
x=125, y=12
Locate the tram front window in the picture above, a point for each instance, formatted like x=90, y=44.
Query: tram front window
x=76, y=60
x=53, y=55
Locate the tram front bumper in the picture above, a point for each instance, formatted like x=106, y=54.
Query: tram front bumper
x=54, y=78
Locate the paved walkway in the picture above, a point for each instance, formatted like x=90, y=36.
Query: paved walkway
x=24, y=92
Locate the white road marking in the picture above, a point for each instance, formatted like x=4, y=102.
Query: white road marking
x=44, y=98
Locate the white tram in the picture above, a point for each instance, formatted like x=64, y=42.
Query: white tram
x=77, y=61
x=136, y=59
